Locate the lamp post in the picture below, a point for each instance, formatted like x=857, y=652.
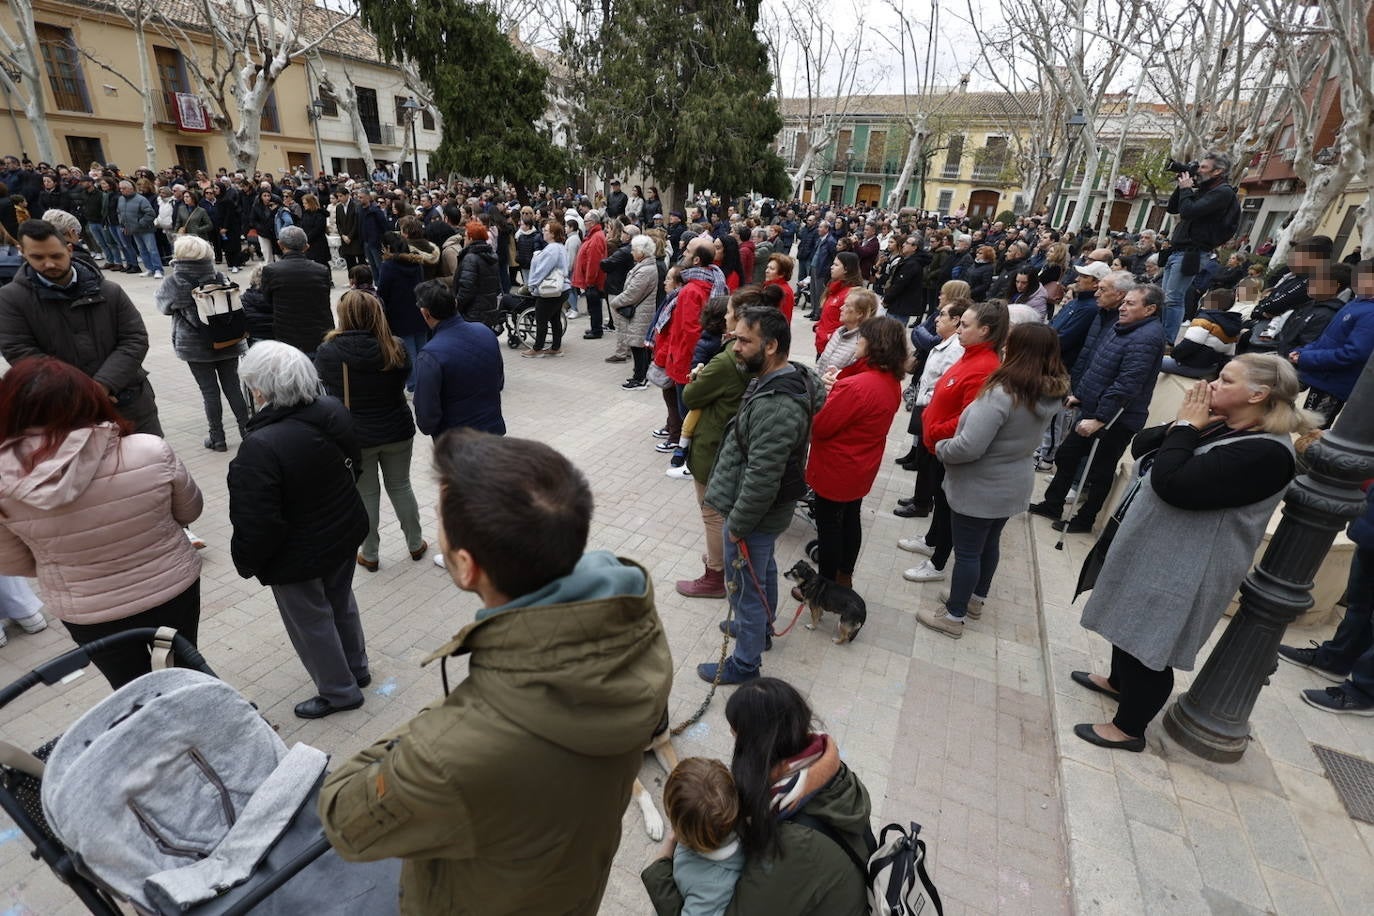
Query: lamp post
x=413, y=109
x=1211, y=719
x=848, y=164
x=314, y=111
x=1073, y=127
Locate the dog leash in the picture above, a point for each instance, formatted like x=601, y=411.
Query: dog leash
x=795, y=618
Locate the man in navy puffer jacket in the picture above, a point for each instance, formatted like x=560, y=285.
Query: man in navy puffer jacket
x=1120, y=378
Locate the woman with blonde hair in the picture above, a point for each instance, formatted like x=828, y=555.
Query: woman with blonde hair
x=1210, y=482
x=364, y=365
x=214, y=369
x=842, y=348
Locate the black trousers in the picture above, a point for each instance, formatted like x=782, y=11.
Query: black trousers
x=594, y=316
x=1143, y=692
x=548, y=320
x=1113, y=442
x=940, y=535
x=839, y=535
x=125, y=663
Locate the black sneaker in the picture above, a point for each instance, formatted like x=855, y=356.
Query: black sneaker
x=635, y=384
x=1340, y=700
x=1046, y=510
x=666, y=447
x=1073, y=526
x=1307, y=658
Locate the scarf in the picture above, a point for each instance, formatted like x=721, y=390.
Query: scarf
x=798, y=778
x=665, y=312
x=713, y=275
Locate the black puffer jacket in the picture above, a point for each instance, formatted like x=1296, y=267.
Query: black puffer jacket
x=293, y=498
x=475, y=283
x=904, y=294
x=376, y=396
x=617, y=267
x=296, y=290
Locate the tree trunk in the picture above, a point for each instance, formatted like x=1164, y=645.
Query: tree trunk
x=1317, y=197
x=913, y=153
x=350, y=105
x=36, y=111
x=145, y=80
x=799, y=173
x=1091, y=160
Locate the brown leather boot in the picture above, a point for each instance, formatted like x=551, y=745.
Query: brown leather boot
x=711, y=584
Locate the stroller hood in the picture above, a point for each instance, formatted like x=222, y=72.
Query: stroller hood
x=173, y=788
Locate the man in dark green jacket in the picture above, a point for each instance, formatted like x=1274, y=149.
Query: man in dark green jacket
x=757, y=478
x=507, y=796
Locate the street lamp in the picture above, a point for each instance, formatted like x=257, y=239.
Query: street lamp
x=413, y=109
x=1073, y=127
x=848, y=164
x=314, y=111
x=1212, y=718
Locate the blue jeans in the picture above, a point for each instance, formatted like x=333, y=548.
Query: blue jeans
x=1176, y=287
x=977, y=550
x=573, y=295
x=108, y=241
x=1352, y=648
x=142, y=246
x=413, y=344
x=374, y=260
x=754, y=612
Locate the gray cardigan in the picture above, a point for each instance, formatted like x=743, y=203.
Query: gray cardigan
x=988, y=468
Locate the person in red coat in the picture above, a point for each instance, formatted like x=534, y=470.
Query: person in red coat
x=587, y=273
x=982, y=332
x=847, y=440
x=779, y=273
x=844, y=276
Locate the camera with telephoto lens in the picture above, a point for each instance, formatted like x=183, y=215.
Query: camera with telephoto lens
x=1181, y=167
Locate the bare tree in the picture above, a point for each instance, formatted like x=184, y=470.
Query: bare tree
x=138, y=14
x=1327, y=50
x=346, y=98
x=917, y=110
x=250, y=44
x=22, y=74
x=804, y=41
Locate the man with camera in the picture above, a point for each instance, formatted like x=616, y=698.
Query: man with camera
x=1208, y=214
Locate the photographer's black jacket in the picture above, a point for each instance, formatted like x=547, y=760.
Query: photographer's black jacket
x=1207, y=216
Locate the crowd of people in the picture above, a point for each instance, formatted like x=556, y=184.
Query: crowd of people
x=1016, y=347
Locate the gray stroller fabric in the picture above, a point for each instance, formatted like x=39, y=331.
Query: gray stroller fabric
x=162, y=778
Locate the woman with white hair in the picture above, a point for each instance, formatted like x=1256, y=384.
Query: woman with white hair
x=298, y=519
x=637, y=297
x=215, y=370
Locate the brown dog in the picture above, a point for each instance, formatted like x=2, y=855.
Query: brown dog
x=661, y=745
x=822, y=595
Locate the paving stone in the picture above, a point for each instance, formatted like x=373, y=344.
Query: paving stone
x=1294, y=895
x=1223, y=856
x=1274, y=835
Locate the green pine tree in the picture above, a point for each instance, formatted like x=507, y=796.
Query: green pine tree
x=490, y=93
x=680, y=93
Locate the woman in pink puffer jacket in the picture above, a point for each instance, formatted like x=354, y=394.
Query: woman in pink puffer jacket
x=96, y=514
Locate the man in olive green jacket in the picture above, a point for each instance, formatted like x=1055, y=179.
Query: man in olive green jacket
x=762, y=455
x=507, y=797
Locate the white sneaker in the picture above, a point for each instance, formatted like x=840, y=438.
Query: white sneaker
x=233, y=270
x=916, y=545
x=196, y=542
x=146, y=274
x=157, y=275
x=678, y=473
x=571, y=314
x=34, y=623
x=926, y=572
x=439, y=561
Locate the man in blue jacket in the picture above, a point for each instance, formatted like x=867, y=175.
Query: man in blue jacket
x=1348, y=657
x=1332, y=363
x=458, y=374
x=821, y=259
x=1114, y=397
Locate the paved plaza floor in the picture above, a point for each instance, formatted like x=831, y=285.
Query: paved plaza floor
x=970, y=738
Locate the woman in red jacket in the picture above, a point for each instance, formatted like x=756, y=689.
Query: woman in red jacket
x=847, y=440
x=844, y=276
x=779, y=273
x=982, y=332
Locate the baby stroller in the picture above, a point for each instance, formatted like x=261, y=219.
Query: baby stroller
x=172, y=795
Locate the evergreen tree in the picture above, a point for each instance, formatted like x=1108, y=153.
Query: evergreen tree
x=682, y=94
x=490, y=93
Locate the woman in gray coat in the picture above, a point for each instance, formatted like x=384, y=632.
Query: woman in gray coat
x=1190, y=535
x=639, y=293
x=989, y=472
x=193, y=264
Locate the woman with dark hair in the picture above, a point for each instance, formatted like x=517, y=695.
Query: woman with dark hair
x=848, y=435
x=988, y=472
x=979, y=276
x=95, y=512
x=653, y=205
x=315, y=221
x=193, y=219
x=844, y=276
x=788, y=779
x=727, y=259
x=401, y=273
x=551, y=261
x=363, y=365
x=1026, y=290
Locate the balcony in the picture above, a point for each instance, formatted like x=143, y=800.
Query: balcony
x=379, y=134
